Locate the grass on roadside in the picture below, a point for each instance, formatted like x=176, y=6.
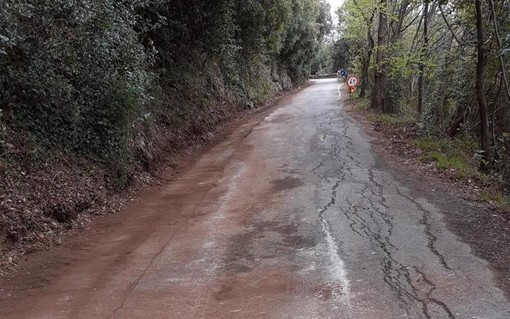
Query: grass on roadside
x=456, y=155
x=389, y=119
x=498, y=198
x=449, y=154
x=363, y=105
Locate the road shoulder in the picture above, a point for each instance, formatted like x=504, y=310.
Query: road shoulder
x=479, y=224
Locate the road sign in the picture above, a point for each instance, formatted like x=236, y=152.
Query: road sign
x=352, y=81
x=343, y=73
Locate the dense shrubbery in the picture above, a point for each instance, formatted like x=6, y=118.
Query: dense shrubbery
x=100, y=77
x=73, y=73
x=443, y=62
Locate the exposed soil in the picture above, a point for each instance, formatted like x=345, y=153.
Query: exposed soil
x=484, y=227
x=42, y=206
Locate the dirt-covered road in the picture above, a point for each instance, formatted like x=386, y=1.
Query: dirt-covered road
x=291, y=216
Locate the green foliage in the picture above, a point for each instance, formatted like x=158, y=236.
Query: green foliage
x=449, y=154
x=501, y=200
x=363, y=104
x=388, y=119
x=302, y=38
x=101, y=78
x=444, y=161
x=261, y=25
x=323, y=63
x=436, y=68
x=74, y=74
x=340, y=54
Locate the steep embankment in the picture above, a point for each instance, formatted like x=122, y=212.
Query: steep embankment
x=40, y=202
x=94, y=96
x=47, y=192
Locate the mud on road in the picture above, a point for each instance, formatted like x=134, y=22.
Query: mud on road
x=292, y=216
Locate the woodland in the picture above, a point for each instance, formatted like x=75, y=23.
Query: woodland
x=443, y=65
x=96, y=92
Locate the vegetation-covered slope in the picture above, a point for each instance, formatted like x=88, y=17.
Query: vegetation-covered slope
x=93, y=91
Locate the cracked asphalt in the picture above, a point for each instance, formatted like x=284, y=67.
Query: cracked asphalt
x=292, y=216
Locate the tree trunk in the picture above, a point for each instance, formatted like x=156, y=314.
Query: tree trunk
x=377, y=101
x=366, y=63
x=480, y=90
x=423, y=54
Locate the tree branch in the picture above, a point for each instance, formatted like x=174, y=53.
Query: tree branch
x=500, y=55
x=449, y=26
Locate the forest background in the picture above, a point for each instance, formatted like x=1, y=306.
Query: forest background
x=438, y=68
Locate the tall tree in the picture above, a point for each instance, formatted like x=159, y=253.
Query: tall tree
x=377, y=102
x=423, y=54
x=452, y=53
x=367, y=57
x=480, y=89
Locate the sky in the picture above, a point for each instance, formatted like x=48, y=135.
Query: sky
x=334, y=5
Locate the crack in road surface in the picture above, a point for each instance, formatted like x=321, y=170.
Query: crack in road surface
x=368, y=218
x=292, y=216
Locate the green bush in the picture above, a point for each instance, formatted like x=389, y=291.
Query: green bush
x=449, y=154
x=73, y=73
x=100, y=77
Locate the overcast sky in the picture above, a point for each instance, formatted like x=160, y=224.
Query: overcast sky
x=334, y=5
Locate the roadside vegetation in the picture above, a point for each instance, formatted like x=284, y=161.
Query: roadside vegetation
x=96, y=92
x=440, y=70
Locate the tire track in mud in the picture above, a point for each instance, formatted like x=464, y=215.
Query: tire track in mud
x=224, y=163
x=371, y=220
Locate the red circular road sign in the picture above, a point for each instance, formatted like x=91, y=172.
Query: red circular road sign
x=352, y=81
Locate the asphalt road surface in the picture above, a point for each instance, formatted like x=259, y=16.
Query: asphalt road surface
x=289, y=217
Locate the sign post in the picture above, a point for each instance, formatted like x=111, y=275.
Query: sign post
x=352, y=83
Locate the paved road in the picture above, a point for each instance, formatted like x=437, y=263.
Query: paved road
x=290, y=217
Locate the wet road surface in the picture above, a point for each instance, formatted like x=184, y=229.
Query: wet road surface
x=290, y=217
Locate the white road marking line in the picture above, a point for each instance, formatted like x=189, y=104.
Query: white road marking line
x=339, y=273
